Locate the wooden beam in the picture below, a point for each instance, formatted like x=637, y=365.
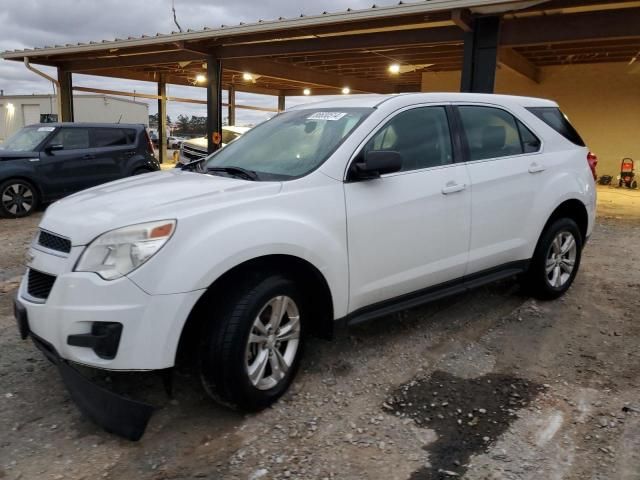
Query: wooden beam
x=343, y=42
x=131, y=61
x=576, y=27
x=162, y=120
x=512, y=60
x=288, y=71
x=462, y=19
x=65, y=86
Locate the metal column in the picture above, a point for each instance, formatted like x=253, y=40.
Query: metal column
x=66, y=96
x=162, y=120
x=481, y=56
x=281, y=103
x=214, y=103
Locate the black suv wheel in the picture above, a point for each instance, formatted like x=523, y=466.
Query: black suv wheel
x=18, y=198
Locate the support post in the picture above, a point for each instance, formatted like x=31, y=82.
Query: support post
x=214, y=103
x=162, y=120
x=66, y=96
x=481, y=55
x=281, y=102
x=231, y=120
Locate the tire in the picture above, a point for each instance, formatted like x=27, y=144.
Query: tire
x=18, y=198
x=141, y=171
x=555, y=263
x=634, y=184
x=233, y=344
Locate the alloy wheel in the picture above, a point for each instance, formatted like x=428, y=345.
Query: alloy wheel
x=17, y=199
x=273, y=342
x=561, y=259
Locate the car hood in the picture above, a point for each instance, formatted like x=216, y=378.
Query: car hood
x=172, y=194
x=15, y=155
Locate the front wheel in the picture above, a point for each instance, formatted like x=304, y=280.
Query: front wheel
x=556, y=260
x=251, y=348
x=18, y=198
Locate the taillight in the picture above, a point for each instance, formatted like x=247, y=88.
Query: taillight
x=149, y=143
x=592, y=159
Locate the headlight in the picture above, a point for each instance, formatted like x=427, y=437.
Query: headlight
x=116, y=253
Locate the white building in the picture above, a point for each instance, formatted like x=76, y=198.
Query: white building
x=17, y=111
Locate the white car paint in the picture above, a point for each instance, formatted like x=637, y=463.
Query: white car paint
x=371, y=240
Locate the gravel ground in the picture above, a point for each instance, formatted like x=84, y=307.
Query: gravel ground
x=489, y=385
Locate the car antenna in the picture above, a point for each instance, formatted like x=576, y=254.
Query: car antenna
x=119, y=118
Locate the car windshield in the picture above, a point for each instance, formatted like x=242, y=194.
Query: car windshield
x=291, y=144
x=27, y=139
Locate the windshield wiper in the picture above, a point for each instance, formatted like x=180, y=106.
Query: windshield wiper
x=236, y=172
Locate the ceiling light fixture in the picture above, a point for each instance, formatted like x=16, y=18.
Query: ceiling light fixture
x=307, y=91
x=394, y=68
x=346, y=91
x=200, y=78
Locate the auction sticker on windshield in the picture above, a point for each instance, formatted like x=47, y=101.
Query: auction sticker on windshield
x=46, y=129
x=327, y=116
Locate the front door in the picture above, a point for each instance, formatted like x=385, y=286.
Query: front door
x=409, y=230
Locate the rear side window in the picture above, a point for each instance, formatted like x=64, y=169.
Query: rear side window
x=491, y=132
x=112, y=137
x=557, y=120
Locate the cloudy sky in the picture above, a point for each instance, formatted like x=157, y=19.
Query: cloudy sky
x=36, y=23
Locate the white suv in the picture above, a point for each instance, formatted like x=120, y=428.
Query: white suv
x=334, y=212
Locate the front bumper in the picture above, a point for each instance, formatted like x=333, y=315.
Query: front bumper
x=116, y=414
x=150, y=329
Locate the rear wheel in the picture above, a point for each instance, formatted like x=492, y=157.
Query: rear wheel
x=556, y=260
x=141, y=171
x=251, y=349
x=18, y=198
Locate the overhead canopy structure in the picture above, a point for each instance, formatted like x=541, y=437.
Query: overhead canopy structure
x=354, y=50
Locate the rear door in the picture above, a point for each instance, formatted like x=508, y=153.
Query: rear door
x=113, y=147
x=409, y=230
x=507, y=169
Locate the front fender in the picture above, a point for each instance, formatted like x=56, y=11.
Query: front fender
x=206, y=247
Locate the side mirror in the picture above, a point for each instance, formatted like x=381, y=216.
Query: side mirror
x=375, y=163
x=54, y=147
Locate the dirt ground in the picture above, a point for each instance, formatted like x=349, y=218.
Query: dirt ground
x=489, y=385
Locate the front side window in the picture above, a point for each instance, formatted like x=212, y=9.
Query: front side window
x=490, y=132
x=71, y=138
x=420, y=135
x=291, y=144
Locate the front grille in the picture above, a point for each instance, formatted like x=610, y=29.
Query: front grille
x=39, y=284
x=193, y=153
x=54, y=242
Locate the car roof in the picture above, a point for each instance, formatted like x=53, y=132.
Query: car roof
x=372, y=101
x=87, y=124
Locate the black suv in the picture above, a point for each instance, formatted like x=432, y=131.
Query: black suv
x=44, y=162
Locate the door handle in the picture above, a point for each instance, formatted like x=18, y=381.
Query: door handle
x=88, y=157
x=536, y=168
x=453, y=188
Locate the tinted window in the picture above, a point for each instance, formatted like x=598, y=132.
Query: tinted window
x=109, y=137
x=491, y=132
x=27, y=139
x=530, y=143
x=71, y=138
x=420, y=135
x=557, y=120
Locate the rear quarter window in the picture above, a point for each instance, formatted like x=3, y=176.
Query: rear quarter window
x=557, y=120
x=112, y=137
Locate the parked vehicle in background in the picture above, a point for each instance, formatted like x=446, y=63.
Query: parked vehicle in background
x=335, y=212
x=196, y=148
x=174, y=142
x=44, y=162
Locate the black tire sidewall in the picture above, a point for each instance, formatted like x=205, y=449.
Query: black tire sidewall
x=36, y=198
x=537, y=277
x=223, y=349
